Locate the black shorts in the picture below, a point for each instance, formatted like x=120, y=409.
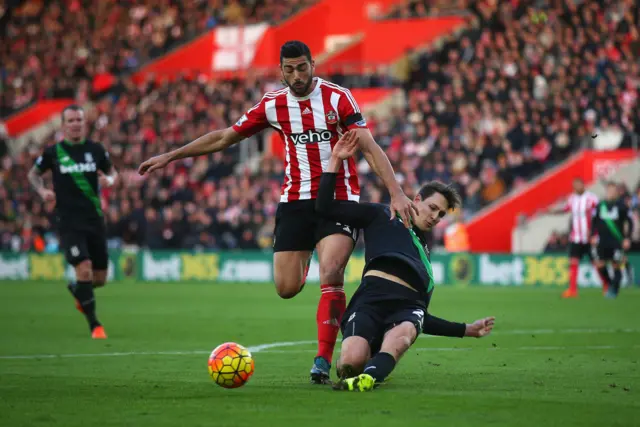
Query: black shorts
x=579, y=250
x=378, y=306
x=299, y=227
x=86, y=244
x=609, y=253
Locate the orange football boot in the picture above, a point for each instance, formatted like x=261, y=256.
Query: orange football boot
x=98, y=333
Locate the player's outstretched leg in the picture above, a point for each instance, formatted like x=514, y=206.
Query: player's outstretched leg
x=604, y=277
x=82, y=291
x=353, y=357
x=289, y=272
x=572, y=292
x=615, y=281
x=99, y=278
x=333, y=255
x=396, y=342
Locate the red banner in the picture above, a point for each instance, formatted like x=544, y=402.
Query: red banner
x=491, y=230
x=383, y=42
x=35, y=115
x=386, y=41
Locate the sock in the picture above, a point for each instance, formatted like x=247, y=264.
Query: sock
x=331, y=307
x=573, y=275
x=604, y=277
x=380, y=366
x=617, y=278
x=629, y=268
x=83, y=292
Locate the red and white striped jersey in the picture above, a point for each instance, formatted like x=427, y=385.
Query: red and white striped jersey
x=582, y=207
x=310, y=127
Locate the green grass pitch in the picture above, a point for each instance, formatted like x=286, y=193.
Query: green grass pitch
x=550, y=362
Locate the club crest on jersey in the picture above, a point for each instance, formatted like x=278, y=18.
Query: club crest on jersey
x=88, y=157
x=332, y=117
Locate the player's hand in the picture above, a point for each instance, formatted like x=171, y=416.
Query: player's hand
x=480, y=328
x=594, y=241
x=346, y=146
x=104, y=180
x=626, y=244
x=403, y=206
x=47, y=195
x=156, y=162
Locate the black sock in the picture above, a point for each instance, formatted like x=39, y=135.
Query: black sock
x=604, y=272
x=380, y=366
x=84, y=294
x=617, y=278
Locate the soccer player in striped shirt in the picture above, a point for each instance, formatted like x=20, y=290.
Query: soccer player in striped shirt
x=310, y=114
x=581, y=204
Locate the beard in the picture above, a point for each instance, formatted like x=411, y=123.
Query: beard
x=299, y=90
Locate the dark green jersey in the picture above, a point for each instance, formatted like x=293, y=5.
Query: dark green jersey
x=612, y=223
x=75, y=181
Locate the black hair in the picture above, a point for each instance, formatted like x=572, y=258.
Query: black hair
x=294, y=49
x=447, y=190
x=612, y=184
x=71, y=107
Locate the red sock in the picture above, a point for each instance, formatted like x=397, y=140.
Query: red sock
x=573, y=275
x=331, y=307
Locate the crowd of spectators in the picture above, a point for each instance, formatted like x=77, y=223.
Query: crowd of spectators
x=500, y=103
x=194, y=203
x=56, y=49
x=489, y=111
x=424, y=8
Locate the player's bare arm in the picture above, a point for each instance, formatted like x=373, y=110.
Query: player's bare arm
x=35, y=178
x=211, y=142
x=380, y=164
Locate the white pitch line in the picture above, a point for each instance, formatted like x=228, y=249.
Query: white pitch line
x=527, y=348
x=269, y=346
x=263, y=347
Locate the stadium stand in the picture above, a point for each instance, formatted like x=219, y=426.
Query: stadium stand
x=503, y=102
x=59, y=48
x=489, y=110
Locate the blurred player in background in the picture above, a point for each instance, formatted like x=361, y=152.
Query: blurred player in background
x=79, y=167
x=310, y=114
x=581, y=205
x=611, y=236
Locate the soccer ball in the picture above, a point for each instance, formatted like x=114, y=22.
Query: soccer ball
x=230, y=365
